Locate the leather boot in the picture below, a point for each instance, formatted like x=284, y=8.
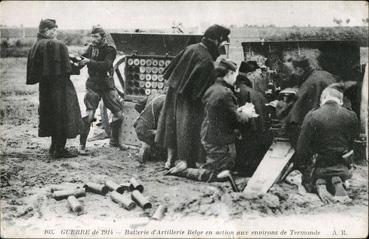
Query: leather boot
x=115, y=127
x=85, y=130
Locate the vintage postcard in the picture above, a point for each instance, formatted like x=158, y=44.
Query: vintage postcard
x=184, y=119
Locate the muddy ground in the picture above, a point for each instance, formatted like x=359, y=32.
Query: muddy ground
x=28, y=173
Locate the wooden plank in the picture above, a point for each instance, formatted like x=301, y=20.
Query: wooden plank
x=270, y=168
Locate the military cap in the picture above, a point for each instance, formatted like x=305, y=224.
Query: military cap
x=217, y=32
x=47, y=23
x=227, y=64
x=98, y=29
x=248, y=66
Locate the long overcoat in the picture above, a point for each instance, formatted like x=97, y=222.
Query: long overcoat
x=48, y=64
x=189, y=75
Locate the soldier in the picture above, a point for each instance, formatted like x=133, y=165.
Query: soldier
x=48, y=64
x=99, y=59
x=328, y=133
x=188, y=75
x=311, y=84
x=252, y=145
x=146, y=125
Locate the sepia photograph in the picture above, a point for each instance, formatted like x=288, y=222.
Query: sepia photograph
x=184, y=119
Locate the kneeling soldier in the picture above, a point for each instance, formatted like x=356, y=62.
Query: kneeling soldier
x=327, y=133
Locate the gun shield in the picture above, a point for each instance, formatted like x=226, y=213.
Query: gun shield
x=96, y=188
x=64, y=194
x=122, y=200
x=160, y=212
x=135, y=185
x=74, y=204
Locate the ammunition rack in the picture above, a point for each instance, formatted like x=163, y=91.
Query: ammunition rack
x=144, y=76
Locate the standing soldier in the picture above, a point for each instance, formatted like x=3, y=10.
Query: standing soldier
x=99, y=59
x=188, y=75
x=48, y=64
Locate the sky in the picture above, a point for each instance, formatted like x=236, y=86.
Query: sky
x=161, y=14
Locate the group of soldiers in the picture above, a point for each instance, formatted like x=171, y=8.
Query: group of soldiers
x=212, y=117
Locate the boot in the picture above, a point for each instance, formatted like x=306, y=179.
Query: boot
x=115, y=127
x=85, y=130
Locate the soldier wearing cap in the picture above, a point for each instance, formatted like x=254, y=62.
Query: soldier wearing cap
x=189, y=75
x=324, y=147
x=99, y=58
x=252, y=144
x=218, y=127
x=311, y=83
x=59, y=113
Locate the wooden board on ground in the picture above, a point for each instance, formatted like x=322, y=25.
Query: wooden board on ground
x=270, y=168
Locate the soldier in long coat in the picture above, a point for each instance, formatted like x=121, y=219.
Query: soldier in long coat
x=59, y=113
x=189, y=75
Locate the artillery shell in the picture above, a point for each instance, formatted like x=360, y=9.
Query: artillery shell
x=148, y=62
x=154, y=91
x=142, y=62
x=96, y=188
x=161, y=63
x=61, y=188
x=161, y=70
x=74, y=204
x=142, y=76
x=154, y=77
x=136, y=62
x=167, y=62
x=155, y=62
x=142, y=84
x=140, y=199
x=160, y=212
x=148, y=77
x=122, y=200
x=148, y=69
x=64, y=194
x=160, y=78
x=130, y=61
x=142, y=69
x=148, y=84
x=112, y=186
x=135, y=185
x=160, y=85
x=154, y=70
x=147, y=92
x=161, y=91
x=154, y=85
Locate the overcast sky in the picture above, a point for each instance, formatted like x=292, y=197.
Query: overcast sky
x=76, y=15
